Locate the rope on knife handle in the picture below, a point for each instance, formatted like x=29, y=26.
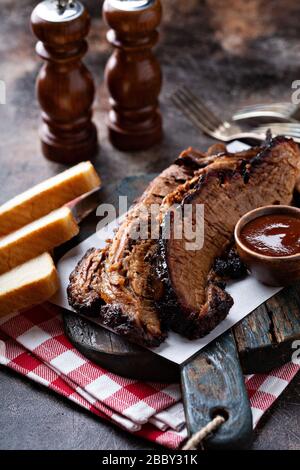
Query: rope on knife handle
x=196, y=439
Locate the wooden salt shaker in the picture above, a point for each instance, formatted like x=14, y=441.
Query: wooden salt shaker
x=133, y=75
x=65, y=87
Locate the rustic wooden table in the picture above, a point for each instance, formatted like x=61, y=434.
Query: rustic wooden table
x=231, y=53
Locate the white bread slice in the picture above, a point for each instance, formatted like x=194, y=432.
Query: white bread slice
x=47, y=196
x=34, y=239
x=27, y=285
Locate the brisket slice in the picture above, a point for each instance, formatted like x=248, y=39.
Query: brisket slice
x=194, y=299
x=82, y=289
x=119, y=284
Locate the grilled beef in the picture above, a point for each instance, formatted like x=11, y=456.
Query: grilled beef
x=119, y=284
x=141, y=286
x=83, y=291
x=194, y=299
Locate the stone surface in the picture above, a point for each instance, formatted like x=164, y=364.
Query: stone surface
x=231, y=53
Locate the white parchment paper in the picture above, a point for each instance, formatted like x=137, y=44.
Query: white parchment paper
x=247, y=294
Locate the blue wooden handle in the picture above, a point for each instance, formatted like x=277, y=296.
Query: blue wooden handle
x=212, y=384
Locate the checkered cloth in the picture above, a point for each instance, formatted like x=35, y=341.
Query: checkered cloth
x=33, y=344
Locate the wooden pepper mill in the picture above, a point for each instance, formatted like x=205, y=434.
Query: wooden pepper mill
x=133, y=75
x=65, y=87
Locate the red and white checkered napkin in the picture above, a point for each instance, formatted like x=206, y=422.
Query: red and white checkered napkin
x=33, y=344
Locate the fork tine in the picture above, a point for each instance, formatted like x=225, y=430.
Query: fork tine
x=266, y=107
x=185, y=109
x=200, y=107
x=285, y=133
x=290, y=127
x=286, y=125
x=193, y=114
x=265, y=111
x=187, y=104
x=280, y=130
x=263, y=114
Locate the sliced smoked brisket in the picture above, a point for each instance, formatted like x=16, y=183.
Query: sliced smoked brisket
x=194, y=299
x=119, y=284
x=141, y=287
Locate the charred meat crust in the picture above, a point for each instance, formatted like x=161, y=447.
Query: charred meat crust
x=82, y=296
x=87, y=280
x=229, y=265
x=126, y=283
x=218, y=301
x=173, y=314
x=112, y=317
x=95, y=273
x=194, y=326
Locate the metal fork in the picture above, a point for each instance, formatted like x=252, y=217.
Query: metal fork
x=285, y=111
x=199, y=114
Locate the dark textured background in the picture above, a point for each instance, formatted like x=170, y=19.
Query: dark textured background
x=231, y=53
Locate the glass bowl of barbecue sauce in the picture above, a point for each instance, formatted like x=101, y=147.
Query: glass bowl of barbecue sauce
x=268, y=242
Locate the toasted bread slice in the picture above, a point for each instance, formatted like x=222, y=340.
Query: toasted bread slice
x=27, y=285
x=47, y=196
x=36, y=238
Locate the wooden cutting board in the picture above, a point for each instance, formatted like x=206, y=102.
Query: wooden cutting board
x=213, y=381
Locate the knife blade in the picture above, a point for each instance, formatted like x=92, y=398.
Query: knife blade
x=83, y=205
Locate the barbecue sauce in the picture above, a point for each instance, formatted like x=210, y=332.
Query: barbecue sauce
x=273, y=235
